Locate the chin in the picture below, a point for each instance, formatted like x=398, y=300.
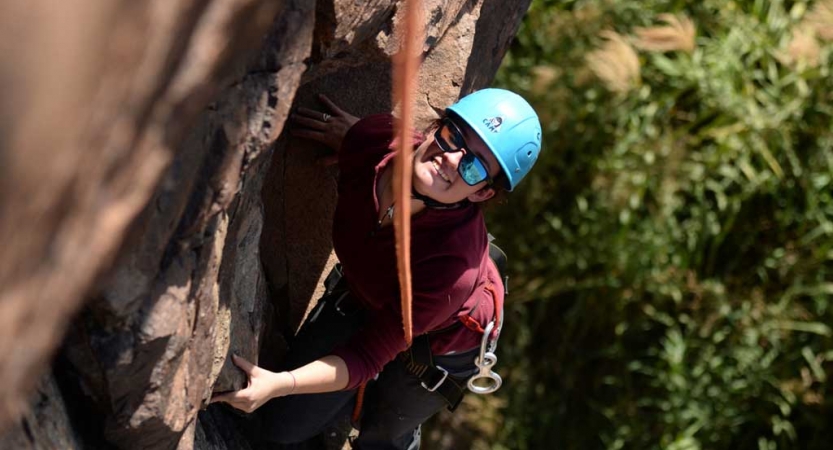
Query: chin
x=422, y=177
x=425, y=188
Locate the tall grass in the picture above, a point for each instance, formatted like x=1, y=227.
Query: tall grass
x=672, y=251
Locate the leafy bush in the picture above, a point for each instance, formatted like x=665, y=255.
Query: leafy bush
x=672, y=251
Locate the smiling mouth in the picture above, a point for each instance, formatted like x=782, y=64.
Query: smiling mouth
x=440, y=171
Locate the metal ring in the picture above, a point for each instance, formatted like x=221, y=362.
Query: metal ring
x=325, y=117
x=493, y=383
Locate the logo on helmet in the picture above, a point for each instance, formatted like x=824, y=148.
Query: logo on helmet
x=493, y=124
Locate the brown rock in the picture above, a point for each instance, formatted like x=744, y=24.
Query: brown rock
x=207, y=271
x=99, y=96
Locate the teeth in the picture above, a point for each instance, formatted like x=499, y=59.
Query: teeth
x=439, y=171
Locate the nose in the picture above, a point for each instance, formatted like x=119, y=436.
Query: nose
x=454, y=158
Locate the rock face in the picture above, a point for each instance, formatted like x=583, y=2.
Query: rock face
x=97, y=98
x=193, y=229
x=46, y=425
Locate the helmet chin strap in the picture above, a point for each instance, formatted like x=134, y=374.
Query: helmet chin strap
x=433, y=204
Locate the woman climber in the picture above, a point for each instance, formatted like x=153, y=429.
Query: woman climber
x=352, y=342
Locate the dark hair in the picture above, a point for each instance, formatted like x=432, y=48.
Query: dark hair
x=433, y=125
x=499, y=186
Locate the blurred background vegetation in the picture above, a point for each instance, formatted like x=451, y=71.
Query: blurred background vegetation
x=672, y=252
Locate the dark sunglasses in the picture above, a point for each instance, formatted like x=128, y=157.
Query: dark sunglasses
x=450, y=140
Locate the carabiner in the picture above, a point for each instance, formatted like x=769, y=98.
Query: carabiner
x=484, y=362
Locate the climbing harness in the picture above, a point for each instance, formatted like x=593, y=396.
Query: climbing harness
x=482, y=380
x=419, y=359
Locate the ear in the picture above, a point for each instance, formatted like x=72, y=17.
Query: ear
x=482, y=195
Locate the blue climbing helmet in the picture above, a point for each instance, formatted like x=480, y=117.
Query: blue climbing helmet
x=509, y=127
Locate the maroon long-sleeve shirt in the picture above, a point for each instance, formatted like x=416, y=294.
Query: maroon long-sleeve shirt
x=450, y=265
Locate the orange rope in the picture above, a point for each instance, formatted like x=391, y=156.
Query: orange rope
x=357, y=409
x=405, y=70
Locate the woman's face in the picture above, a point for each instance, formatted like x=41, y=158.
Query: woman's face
x=436, y=174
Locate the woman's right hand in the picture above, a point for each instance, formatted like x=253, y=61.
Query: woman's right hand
x=263, y=385
x=328, y=128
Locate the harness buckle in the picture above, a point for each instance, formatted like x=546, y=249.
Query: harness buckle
x=439, y=383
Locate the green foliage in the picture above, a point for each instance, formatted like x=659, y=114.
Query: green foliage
x=672, y=251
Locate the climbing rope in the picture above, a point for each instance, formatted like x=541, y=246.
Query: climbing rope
x=405, y=70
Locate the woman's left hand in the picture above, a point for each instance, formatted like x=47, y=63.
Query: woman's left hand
x=263, y=386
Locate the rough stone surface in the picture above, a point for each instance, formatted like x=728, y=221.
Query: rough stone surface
x=195, y=248
x=217, y=430
x=100, y=95
x=45, y=425
x=195, y=228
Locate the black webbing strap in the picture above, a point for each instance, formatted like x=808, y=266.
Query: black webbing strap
x=335, y=280
x=499, y=258
x=420, y=362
